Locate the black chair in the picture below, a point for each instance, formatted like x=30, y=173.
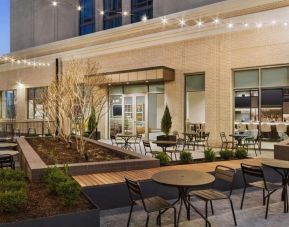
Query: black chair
x=148, y=149
x=225, y=142
x=150, y=204
x=7, y=160
x=222, y=173
x=255, y=142
x=137, y=141
x=267, y=187
x=115, y=141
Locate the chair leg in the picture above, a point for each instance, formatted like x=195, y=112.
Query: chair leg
x=222, y=146
x=233, y=211
x=264, y=199
x=175, y=216
x=129, y=217
x=206, y=213
x=147, y=221
x=140, y=149
x=212, y=208
x=159, y=219
x=267, y=207
x=243, y=197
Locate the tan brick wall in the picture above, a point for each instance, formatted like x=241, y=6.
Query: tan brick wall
x=215, y=55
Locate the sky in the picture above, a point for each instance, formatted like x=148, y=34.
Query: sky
x=4, y=26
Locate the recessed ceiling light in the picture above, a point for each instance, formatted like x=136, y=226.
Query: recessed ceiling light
x=230, y=25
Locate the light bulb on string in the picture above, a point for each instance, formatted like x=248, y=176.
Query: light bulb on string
x=54, y=3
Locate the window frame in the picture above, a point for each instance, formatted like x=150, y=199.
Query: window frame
x=111, y=13
x=34, y=106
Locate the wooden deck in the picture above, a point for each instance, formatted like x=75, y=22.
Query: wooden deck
x=99, y=179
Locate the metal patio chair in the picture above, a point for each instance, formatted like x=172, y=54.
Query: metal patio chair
x=137, y=141
x=115, y=141
x=225, y=142
x=150, y=204
x=148, y=148
x=180, y=146
x=224, y=174
x=7, y=160
x=267, y=187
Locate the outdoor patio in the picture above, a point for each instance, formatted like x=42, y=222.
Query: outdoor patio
x=251, y=215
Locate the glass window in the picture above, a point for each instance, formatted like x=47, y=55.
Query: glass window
x=115, y=90
x=35, y=103
x=131, y=89
x=195, y=83
x=247, y=79
x=157, y=88
x=87, y=17
x=140, y=8
x=112, y=14
x=275, y=77
x=8, y=103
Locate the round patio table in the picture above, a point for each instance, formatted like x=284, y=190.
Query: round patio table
x=126, y=138
x=8, y=145
x=165, y=144
x=282, y=168
x=183, y=180
x=239, y=137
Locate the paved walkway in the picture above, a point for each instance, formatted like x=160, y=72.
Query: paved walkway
x=252, y=215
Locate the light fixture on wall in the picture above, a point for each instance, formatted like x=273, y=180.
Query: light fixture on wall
x=20, y=84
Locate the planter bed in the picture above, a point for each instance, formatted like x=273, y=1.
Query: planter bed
x=200, y=160
x=44, y=209
x=36, y=157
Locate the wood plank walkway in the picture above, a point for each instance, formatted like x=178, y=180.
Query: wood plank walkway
x=99, y=179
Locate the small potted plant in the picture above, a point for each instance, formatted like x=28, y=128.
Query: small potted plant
x=166, y=125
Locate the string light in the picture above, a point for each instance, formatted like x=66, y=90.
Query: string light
x=216, y=20
x=125, y=13
x=54, y=3
x=285, y=24
x=12, y=60
x=144, y=18
x=246, y=25
x=182, y=22
x=259, y=25
x=164, y=20
x=273, y=22
x=79, y=8
x=230, y=25
x=200, y=23
x=101, y=12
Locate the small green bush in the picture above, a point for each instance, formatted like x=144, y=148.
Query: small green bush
x=241, y=153
x=210, y=155
x=61, y=184
x=69, y=192
x=11, y=174
x=164, y=158
x=54, y=176
x=12, y=201
x=186, y=157
x=227, y=154
x=11, y=185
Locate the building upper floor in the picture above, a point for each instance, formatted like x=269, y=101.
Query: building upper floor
x=38, y=22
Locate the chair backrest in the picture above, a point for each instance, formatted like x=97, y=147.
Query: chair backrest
x=242, y=127
x=252, y=127
x=223, y=137
x=134, y=191
x=281, y=128
x=265, y=128
x=138, y=137
x=253, y=171
x=113, y=139
x=147, y=145
x=227, y=174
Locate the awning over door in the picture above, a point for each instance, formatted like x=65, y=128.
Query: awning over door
x=155, y=74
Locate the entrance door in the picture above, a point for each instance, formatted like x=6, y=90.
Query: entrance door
x=134, y=117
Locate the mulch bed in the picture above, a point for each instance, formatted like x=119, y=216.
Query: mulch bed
x=53, y=151
x=42, y=204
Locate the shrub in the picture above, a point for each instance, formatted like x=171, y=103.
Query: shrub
x=166, y=123
x=54, y=176
x=69, y=192
x=241, y=153
x=210, y=155
x=164, y=158
x=61, y=184
x=12, y=201
x=11, y=185
x=227, y=154
x=186, y=157
x=11, y=174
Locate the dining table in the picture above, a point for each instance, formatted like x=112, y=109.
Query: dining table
x=282, y=168
x=239, y=137
x=126, y=138
x=164, y=144
x=184, y=181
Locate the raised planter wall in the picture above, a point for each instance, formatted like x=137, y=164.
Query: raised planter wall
x=35, y=168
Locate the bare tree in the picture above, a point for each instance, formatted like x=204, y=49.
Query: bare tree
x=70, y=100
